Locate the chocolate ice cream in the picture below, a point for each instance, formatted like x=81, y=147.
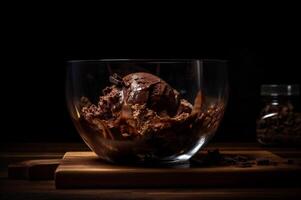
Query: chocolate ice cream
x=144, y=88
x=136, y=105
x=141, y=117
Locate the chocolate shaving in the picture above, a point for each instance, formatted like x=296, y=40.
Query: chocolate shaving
x=104, y=129
x=196, y=110
x=117, y=80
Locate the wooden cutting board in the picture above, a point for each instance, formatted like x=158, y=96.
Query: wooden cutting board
x=85, y=170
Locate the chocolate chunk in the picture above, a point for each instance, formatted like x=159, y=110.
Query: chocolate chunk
x=240, y=158
x=244, y=164
x=262, y=161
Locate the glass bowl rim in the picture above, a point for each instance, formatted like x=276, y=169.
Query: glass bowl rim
x=148, y=60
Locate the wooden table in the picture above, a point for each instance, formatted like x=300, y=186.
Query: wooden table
x=24, y=189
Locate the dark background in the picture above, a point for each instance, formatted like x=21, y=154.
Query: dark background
x=39, y=111
x=34, y=69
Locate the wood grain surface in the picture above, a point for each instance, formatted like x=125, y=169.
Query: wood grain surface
x=86, y=170
x=29, y=189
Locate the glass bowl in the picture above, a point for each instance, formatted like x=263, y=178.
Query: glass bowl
x=146, y=111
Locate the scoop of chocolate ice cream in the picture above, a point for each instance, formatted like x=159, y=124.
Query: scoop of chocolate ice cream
x=144, y=88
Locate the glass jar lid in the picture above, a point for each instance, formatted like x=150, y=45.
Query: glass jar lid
x=279, y=90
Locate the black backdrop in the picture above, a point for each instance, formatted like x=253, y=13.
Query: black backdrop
x=33, y=78
x=37, y=111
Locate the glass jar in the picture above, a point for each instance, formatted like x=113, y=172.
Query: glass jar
x=279, y=122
